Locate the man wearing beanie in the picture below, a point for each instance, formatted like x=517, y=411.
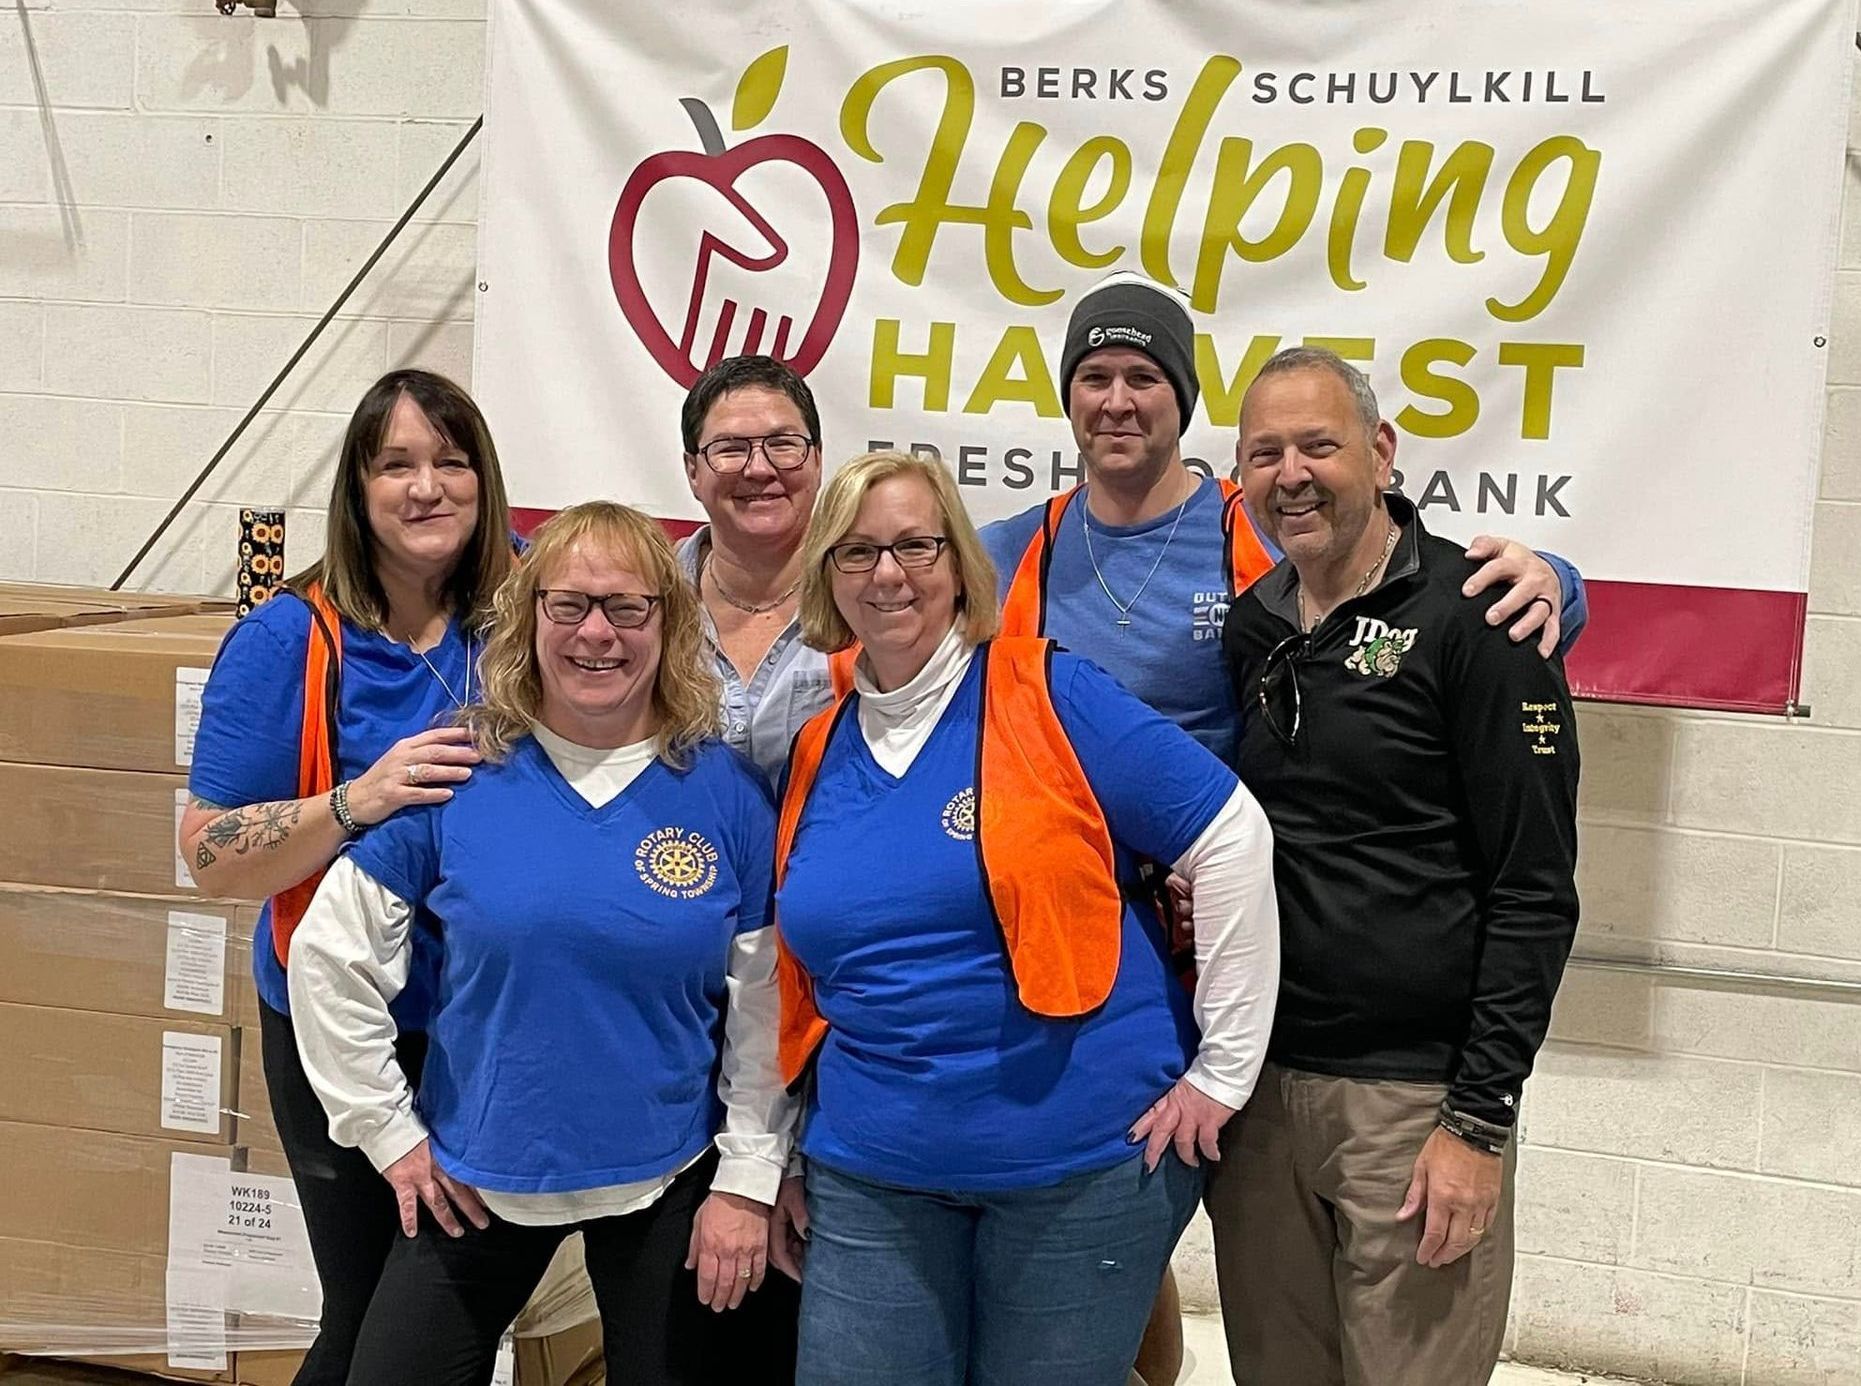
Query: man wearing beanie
x=1135, y=570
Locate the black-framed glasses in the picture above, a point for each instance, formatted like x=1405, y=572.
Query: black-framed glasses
x=918, y=551
x=1280, y=700
x=624, y=610
x=785, y=452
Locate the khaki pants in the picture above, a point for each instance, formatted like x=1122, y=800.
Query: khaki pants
x=1319, y=1282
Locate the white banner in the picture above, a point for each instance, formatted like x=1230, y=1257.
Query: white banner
x=1584, y=249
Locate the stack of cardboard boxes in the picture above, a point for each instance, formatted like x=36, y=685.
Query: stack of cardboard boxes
x=133, y=1228
x=147, y=1219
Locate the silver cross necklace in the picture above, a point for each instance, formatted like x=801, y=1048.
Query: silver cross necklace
x=1124, y=608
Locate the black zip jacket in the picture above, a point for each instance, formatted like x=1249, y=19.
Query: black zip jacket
x=1424, y=826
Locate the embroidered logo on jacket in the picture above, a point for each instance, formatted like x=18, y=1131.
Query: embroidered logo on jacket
x=959, y=815
x=676, y=862
x=1538, y=722
x=1380, y=648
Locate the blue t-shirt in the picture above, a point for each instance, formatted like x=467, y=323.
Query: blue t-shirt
x=933, y=1074
x=580, y=1017
x=1170, y=654
x=252, y=714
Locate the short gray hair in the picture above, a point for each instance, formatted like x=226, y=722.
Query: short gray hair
x=1306, y=358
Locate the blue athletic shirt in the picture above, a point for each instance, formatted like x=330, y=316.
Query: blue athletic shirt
x=580, y=1019
x=1170, y=654
x=933, y=1074
x=252, y=714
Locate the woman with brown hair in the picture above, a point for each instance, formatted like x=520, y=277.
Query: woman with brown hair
x=318, y=721
x=602, y=1055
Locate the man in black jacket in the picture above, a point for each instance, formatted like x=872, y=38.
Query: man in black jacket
x=1420, y=774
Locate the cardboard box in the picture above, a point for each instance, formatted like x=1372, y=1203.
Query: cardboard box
x=153, y=955
x=167, y=603
x=108, y=697
x=172, y=1079
x=111, y=830
x=94, y=1189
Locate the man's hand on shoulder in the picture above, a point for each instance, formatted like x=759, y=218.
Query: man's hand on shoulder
x=1534, y=598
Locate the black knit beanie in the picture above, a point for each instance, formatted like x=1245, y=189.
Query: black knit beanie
x=1128, y=310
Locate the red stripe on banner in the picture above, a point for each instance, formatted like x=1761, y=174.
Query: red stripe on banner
x=525, y=520
x=1730, y=649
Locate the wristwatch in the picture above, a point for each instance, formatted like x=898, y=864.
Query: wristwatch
x=1481, y=1135
x=339, y=807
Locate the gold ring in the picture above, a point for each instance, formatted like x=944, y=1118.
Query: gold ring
x=745, y=1274
x=1477, y=1231
x=414, y=773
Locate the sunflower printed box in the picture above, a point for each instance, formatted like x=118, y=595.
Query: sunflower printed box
x=109, y=697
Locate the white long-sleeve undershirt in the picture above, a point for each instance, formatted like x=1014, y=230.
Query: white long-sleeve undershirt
x=349, y=959
x=1229, y=868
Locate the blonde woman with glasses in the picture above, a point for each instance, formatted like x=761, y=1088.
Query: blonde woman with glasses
x=1010, y=1094
x=602, y=1055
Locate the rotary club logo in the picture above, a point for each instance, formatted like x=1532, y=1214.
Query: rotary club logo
x=676, y=862
x=959, y=815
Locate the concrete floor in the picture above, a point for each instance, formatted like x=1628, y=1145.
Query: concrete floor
x=1207, y=1361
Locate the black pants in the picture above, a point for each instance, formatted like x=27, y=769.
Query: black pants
x=443, y=1302
x=349, y=1209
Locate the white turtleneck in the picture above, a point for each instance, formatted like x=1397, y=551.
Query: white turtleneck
x=897, y=724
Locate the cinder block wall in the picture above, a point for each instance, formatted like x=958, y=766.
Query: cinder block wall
x=182, y=194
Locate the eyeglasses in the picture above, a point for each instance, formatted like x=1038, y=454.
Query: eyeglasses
x=919, y=551
x=624, y=610
x=1280, y=700
x=785, y=451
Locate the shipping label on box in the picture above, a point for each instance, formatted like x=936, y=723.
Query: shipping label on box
x=247, y=1226
x=189, y=684
x=195, y=976
x=191, y=1078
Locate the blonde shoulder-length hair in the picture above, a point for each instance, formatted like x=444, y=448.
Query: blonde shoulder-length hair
x=822, y=625
x=686, y=692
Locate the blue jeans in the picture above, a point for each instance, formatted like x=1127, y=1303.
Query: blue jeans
x=916, y=1287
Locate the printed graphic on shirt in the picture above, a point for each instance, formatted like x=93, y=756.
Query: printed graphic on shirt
x=1538, y=724
x=959, y=815
x=1208, y=613
x=676, y=862
x=1380, y=648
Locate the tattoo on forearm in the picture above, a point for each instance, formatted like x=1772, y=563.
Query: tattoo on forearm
x=257, y=826
x=204, y=856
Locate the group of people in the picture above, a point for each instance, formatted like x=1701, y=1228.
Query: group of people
x=876, y=935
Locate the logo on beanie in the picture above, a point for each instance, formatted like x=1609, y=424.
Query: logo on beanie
x=1110, y=336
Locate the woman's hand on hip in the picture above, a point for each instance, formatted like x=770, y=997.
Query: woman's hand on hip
x=416, y=1180
x=1186, y=1117
x=788, y=1228
x=415, y=770
x=729, y=1249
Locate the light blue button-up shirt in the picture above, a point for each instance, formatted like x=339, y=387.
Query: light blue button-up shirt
x=791, y=684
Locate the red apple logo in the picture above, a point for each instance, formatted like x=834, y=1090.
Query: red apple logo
x=734, y=304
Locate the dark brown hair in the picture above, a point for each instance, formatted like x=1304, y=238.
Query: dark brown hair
x=347, y=570
x=745, y=373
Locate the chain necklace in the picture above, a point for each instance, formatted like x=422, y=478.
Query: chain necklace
x=1363, y=586
x=1124, y=608
x=440, y=678
x=752, y=608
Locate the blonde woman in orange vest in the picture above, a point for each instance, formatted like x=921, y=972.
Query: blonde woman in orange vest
x=1009, y=1096
x=319, y=720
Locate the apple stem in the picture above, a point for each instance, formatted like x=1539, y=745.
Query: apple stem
x=708, y=134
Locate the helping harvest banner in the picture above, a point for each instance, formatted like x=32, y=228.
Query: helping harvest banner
x=1585, y=251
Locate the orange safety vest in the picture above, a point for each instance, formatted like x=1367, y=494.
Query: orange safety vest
x=1024, y=612
x=840, y=670
x=1044, y=846
x=316, y=750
